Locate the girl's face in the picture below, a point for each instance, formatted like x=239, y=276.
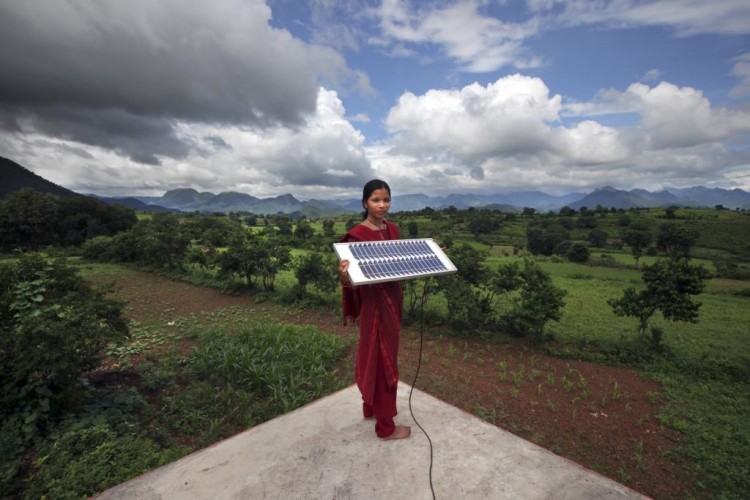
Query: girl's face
x=378, y=204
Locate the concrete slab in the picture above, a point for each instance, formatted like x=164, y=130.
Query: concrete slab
x=326, y=450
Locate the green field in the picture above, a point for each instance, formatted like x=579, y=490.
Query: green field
x=703, y=368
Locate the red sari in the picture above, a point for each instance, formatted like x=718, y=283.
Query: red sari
x=378, y=307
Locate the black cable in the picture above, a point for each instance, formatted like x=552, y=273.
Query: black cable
x=419, y=363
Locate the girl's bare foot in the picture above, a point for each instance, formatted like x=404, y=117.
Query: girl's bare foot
x=401, y=432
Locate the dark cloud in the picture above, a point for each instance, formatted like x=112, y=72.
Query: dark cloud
x=217, y=142
x=95, y=71
x=141, y=138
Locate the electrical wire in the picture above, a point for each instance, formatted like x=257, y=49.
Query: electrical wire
x=419, y=364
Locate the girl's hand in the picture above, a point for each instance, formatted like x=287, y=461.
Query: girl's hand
x=344, y=272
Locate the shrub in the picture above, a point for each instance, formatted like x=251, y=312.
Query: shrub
x=538, y=302
x=317, y=269
x=53, y=327
x=86, y=461
x=544, y=238
x=578, y=252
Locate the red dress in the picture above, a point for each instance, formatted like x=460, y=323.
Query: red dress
x=379, y=308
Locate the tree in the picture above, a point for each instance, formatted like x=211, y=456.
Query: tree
x=242, y=257
x=638, y=237
x=273, y=257
x=159, y=241
x=413, y=229
x=586, y=220
x=284, y=222
x=598, y=238
x=81, y=218
x=28, y=220
x=578, y=252
x=483, y=222
x=304, y=230
x=255, y=258
x=468, y=292
x=676, y=240
x=544, y=238
x=328, y=225
x=317, y=269
x=669, y=286
x=566, y=211
x=537, y=303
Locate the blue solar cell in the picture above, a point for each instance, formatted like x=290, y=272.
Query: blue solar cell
x=398, y=259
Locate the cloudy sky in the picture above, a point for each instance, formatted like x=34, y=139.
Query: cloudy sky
x=314, y=98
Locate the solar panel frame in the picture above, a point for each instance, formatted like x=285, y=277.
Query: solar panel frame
x=393, y=260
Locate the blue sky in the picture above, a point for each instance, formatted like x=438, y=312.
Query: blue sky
x=315, y=98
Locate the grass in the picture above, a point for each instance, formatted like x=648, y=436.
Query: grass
x=704, y=377
x=193, y=380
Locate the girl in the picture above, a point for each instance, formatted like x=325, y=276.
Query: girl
x=378, y=307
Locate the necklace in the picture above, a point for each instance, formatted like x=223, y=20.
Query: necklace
x=375, y=226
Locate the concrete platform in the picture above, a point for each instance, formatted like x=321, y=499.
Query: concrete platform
x=326, y=450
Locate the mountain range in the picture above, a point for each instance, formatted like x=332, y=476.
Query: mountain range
x=13, y=177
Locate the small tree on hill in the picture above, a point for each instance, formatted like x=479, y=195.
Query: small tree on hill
x=676, y=240
x=669, y=287
x=544, y=238
x=598, y=238
x=638, y=238
x=578, y=252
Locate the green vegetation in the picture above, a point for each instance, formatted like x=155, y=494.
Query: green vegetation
x=242, y=371
x=567, y=283
x=30, y=220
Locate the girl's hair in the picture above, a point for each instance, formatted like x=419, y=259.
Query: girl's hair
x=369, y=188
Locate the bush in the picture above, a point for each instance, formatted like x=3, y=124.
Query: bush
x=86, y=461
x=53, y=327
x=99, y=249
x=538, y=302
x=578, y=252
x=317, y=269
x=543, y=238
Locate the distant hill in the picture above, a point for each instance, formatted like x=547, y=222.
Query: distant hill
x=133, y=204
x=710, y=197
x=183, y=197
x=689, y=197
x=611, y=197
x=14, y=177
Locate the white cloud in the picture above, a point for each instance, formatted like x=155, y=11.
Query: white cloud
x=360, y=118
x=685, y=17
x=508, y=134
x=319, y=158
x=507, y=117
x=477, y=42
x=741, y=70
x=682, y=117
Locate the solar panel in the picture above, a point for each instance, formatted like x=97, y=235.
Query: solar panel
x=393, y=260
